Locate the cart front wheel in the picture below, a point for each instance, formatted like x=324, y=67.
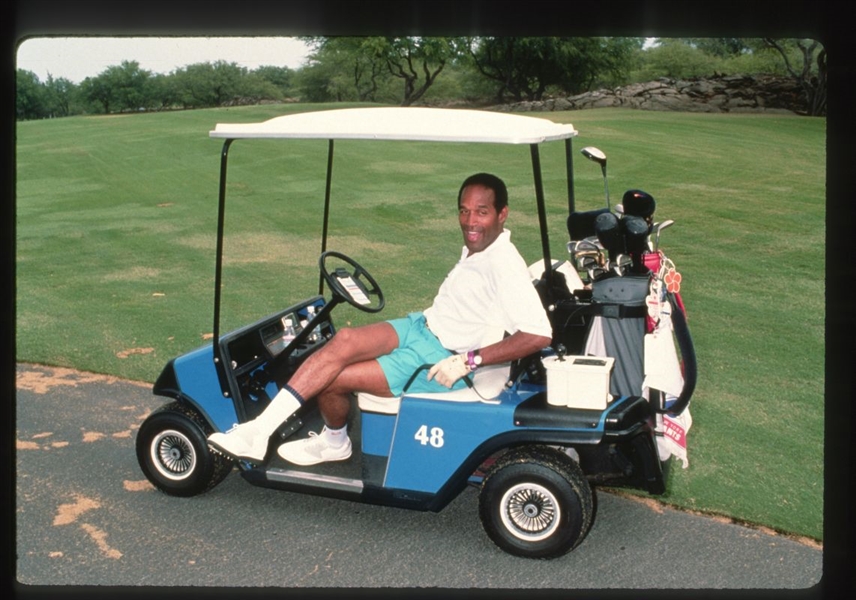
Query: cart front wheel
x=536, y=503
x=173, y=452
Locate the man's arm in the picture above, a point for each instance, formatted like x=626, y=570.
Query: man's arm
x=517, y=345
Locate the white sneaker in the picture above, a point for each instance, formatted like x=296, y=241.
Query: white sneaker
x=249, y=441
x=314, y=450
x=243, y=441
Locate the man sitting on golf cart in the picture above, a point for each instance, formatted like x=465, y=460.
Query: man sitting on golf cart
x=487, y=294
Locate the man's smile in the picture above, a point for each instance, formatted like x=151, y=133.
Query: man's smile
x=472, y=235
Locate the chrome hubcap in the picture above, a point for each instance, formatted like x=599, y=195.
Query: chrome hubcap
x=173, y=455
x=530, y=512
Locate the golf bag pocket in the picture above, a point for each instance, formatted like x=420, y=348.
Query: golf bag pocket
x=629, y=290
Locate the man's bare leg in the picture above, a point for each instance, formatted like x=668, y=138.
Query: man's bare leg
x=335, y=401
x=348, y=347
x=320, y=371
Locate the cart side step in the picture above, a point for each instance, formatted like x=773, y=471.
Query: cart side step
x=329, y=482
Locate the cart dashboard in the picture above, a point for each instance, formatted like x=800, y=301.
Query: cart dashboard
x=260, y=358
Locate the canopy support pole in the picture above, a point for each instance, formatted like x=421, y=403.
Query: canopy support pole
x=221, y=221
x=569, y=168
x=327, y=189
x=542, y=214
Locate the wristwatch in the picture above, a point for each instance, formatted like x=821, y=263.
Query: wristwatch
x=474, y=360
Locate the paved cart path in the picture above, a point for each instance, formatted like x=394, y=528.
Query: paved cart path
x=85, y=515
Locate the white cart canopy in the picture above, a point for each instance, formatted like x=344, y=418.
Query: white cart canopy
x=398, y=123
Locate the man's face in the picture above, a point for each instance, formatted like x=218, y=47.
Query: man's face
x=480, y=222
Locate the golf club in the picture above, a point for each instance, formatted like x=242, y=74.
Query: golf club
x=620, y=264
x=586, y=259
x=587, y=256
x=655, y=232
x=635, y=231
x=609, y=234
x=596, y=155
x=639, y=204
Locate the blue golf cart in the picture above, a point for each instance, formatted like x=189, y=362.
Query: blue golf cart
x=536, y=436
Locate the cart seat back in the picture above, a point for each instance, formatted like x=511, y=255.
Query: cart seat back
x=581, y=223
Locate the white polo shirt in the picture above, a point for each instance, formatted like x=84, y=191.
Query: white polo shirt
x=484, y=296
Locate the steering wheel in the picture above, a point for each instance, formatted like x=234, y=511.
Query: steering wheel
x=355, y=286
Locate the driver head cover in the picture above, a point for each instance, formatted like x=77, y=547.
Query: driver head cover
x=638, y=203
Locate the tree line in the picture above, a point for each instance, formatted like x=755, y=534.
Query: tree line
x=426, y=70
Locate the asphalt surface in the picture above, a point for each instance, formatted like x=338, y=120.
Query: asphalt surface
x=86, y=516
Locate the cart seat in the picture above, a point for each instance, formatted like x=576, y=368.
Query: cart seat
x=572, y=278
x=488, y=382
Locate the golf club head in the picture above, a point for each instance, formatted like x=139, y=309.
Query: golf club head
x=655, y=232
x=637, y=203
x=620, y=264
x=635, y=231
x=608, y=230
x=594, y=154
x=586, y=260
x=597, y=155
x=585, y=245
x=595, y=273
x=586, y=254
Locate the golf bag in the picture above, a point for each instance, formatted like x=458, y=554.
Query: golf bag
x=617, y=329
x=639, y=320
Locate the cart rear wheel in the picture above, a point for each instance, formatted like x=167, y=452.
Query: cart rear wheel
x=173, y=452
x=536, y=503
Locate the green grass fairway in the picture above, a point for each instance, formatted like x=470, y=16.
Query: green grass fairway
x=116, y=221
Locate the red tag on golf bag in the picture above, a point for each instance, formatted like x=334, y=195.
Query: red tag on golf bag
x=674, y=439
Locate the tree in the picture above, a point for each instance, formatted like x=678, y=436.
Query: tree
x=525, y=67
x=206, y=84
x=281, y=77
x=131, y=85
x=118, y=88
x=409, y=58
x=720, y=47
x=225, y=81
x=343, y=68
x=809, y=54
x=59, y=93
x=97, y=91
x=29, y=96
x=678, y=58
x=164, y=93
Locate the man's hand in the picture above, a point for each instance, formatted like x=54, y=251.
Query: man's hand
x=449, y=370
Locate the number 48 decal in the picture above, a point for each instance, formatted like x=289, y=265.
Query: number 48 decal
x=433, y=437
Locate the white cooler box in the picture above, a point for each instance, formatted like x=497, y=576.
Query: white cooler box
x=578, y=381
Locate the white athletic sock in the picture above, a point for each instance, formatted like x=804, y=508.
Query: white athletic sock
x=335, y=437
x=283, y=405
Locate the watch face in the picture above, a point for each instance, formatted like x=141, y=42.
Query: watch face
x=477, y=359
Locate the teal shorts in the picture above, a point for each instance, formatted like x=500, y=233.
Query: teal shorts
x=417, y=347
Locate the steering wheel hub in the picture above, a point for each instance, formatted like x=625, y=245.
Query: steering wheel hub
x=351, y=282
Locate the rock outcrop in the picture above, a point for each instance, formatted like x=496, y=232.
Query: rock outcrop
x=737, y=93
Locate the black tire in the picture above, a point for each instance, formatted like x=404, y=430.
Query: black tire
x=173, y=452
x=536, y=503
